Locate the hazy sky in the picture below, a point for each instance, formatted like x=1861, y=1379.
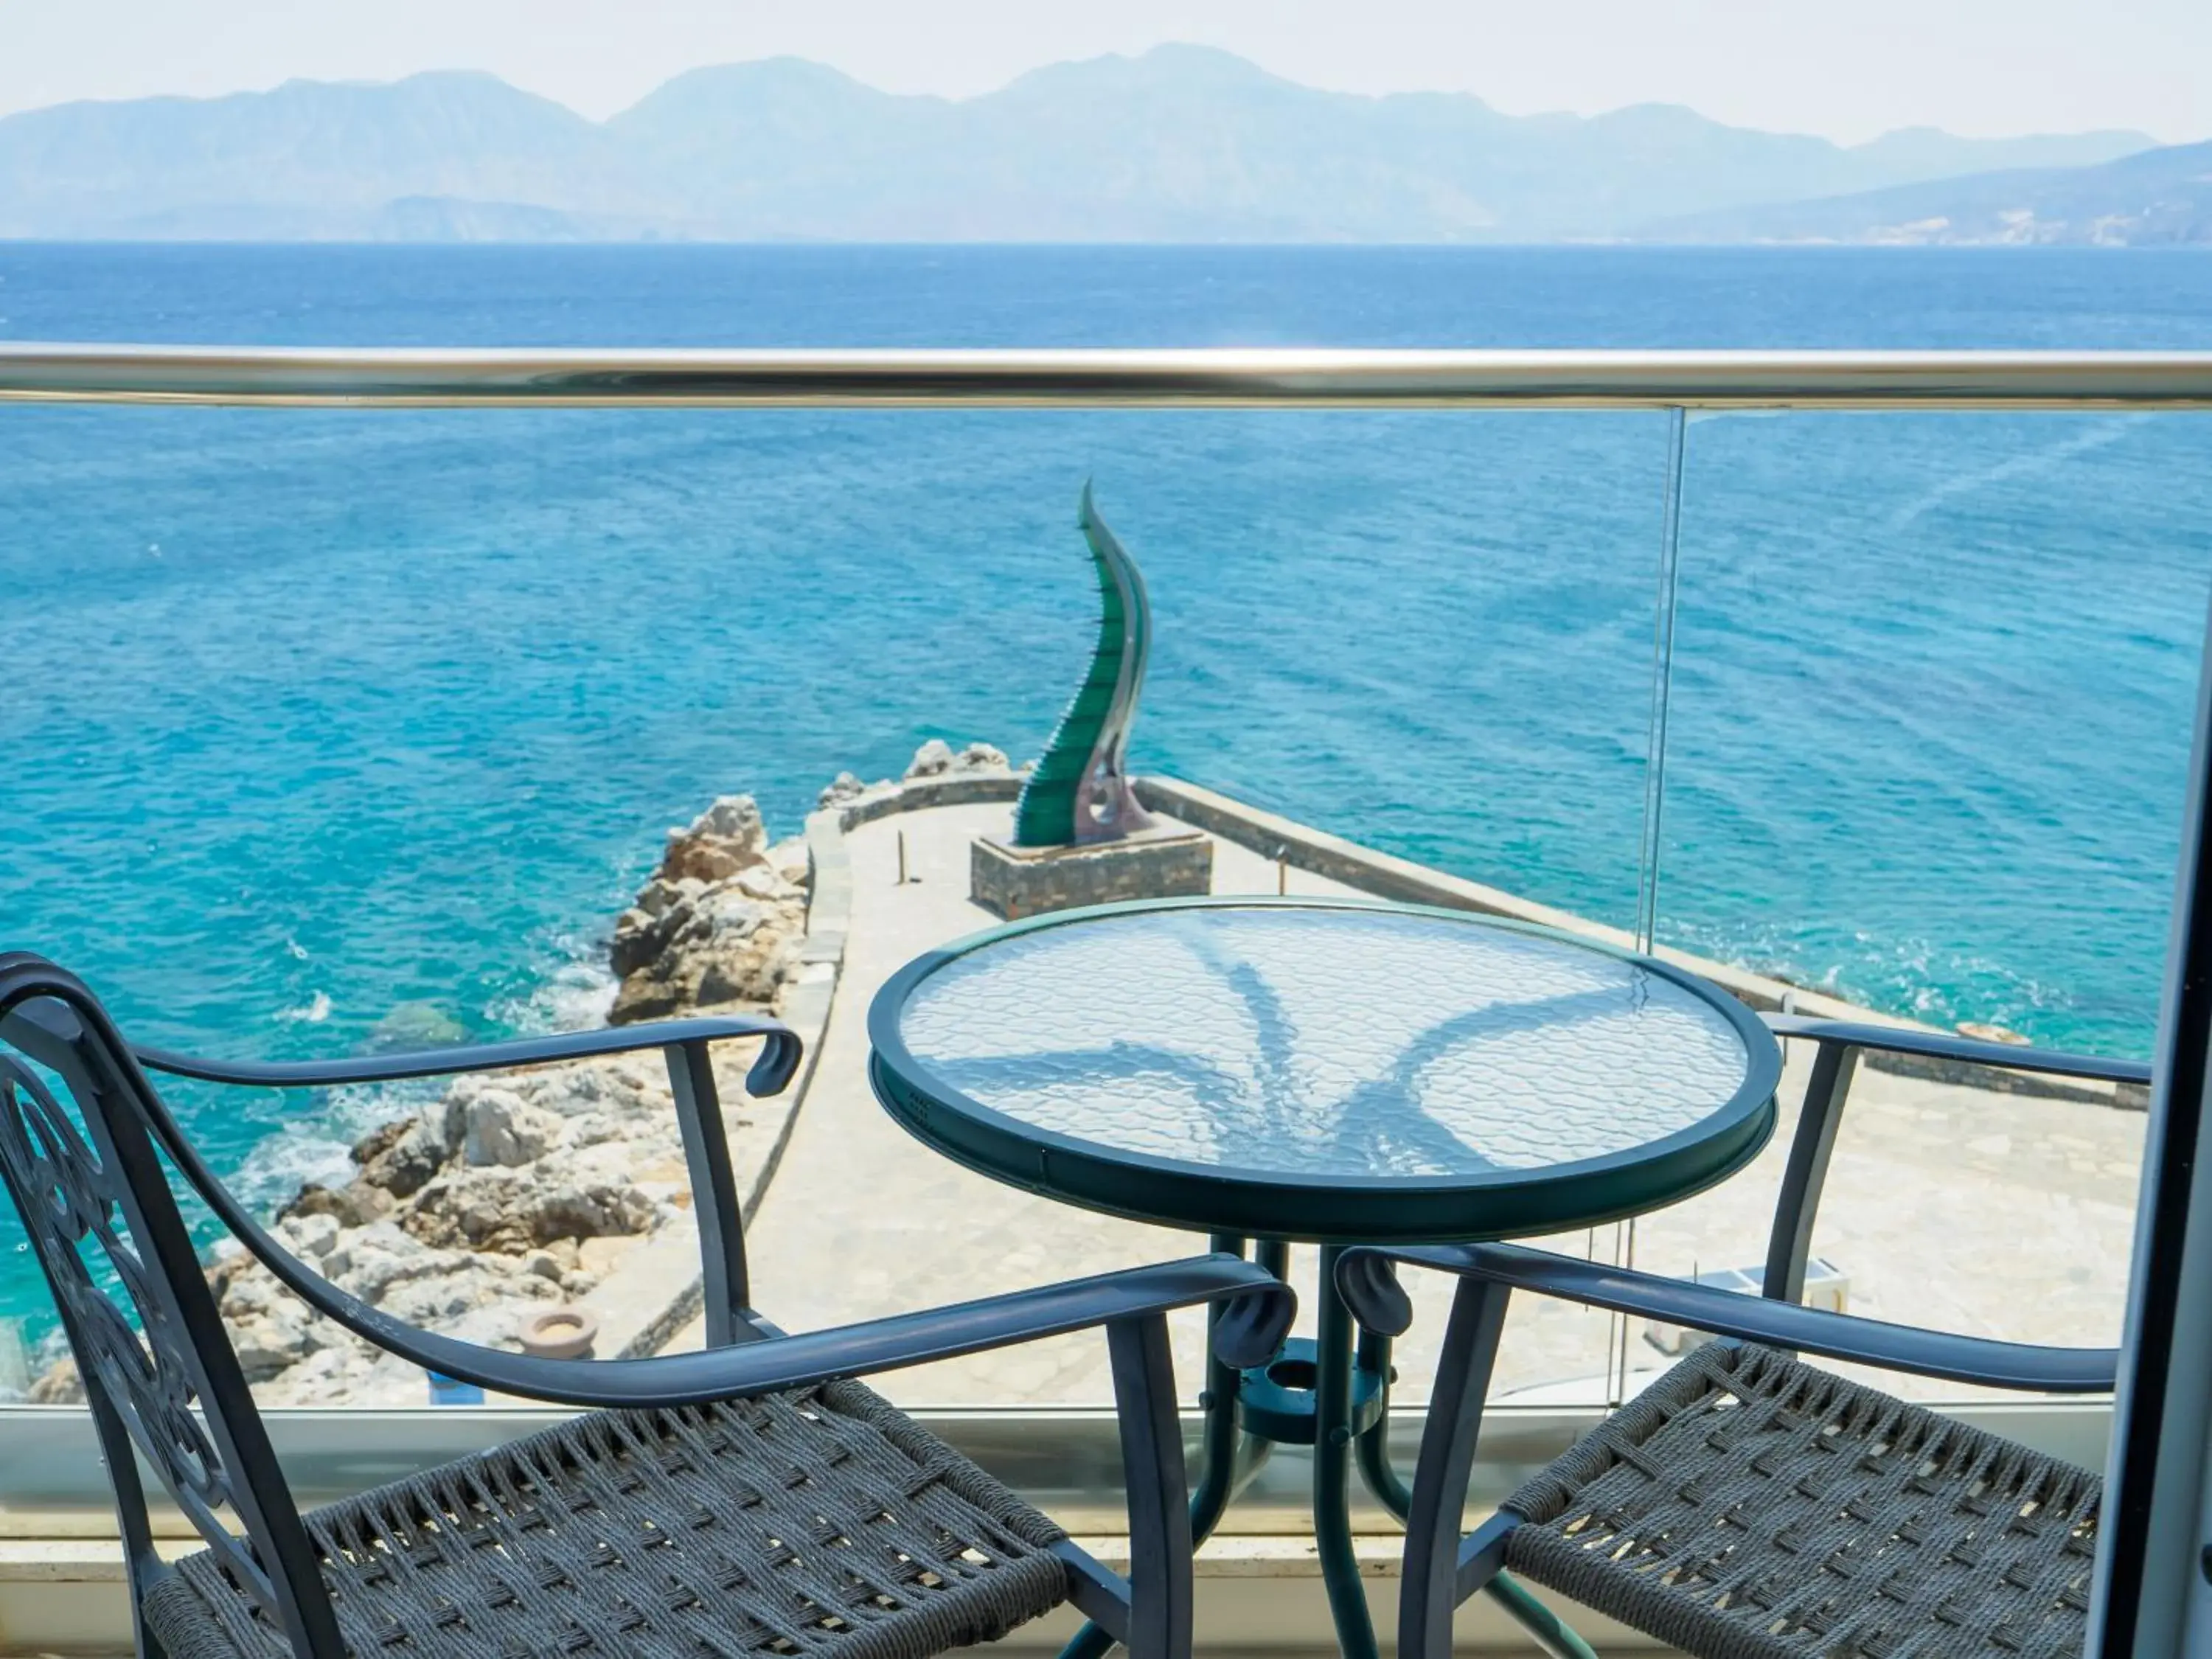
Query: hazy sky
x=1848, y=69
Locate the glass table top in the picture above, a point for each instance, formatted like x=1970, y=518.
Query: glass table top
x=1322, y=1041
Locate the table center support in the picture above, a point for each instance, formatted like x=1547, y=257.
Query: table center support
x=1334, y=1409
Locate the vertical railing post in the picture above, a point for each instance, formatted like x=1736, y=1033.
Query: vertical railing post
x=2151, y=1599
x=1655, y=800
x=1662, y=685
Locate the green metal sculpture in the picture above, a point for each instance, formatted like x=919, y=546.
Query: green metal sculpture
x=1080, y=792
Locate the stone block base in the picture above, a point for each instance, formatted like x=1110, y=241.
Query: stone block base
x=1014, y=882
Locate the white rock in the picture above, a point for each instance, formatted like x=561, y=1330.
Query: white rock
x=845, y=786
x=981, y=757
x=444, y=1122
x=310, y=1235
x=569, y=1089
x=933, y=759
x=374, y=1272
x=736, y=817
x=266, y=1346
x=248, y=1296
x=936, y=759
x=732, y=915
x=382, y=1236
x=763, y=881
x=504, y=1129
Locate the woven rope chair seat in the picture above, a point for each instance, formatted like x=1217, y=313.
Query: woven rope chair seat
x=1747, y=1506
x=820, y=1521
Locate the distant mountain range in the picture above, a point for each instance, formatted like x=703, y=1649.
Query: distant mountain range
x=2160, y=195
x=1183, y=144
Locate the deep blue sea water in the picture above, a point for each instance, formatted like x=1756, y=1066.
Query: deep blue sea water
x=312, y=716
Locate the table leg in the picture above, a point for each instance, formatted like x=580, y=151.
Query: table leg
x=1543, y=1627
x=1374, y=1445
x=1332, y=1438
x=1550, y=1633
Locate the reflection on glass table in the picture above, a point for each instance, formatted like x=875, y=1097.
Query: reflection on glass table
x=1326, y=1071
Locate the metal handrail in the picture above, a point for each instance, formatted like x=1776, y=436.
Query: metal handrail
x=455, y=377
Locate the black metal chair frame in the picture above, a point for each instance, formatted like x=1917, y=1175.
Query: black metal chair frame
x=1442, y=1567
x=163, y=1376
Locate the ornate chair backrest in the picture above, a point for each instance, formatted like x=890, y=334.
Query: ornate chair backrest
x=158, y=1371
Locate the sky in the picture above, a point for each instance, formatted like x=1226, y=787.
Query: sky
x=1847, y=69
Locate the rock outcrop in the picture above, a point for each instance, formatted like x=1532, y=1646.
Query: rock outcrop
x=500, y=1199
x=508, y=1194
x=720, y=922
x=935, y=759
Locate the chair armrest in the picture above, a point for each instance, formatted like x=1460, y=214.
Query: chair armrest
x=1943, y=1045
x=685, y=1045
x=1839, y=1044
x=778, y=1062
x=1368, y=1280
x=1257, y=1314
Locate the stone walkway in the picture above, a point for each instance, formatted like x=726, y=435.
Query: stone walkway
x=1954, y=1207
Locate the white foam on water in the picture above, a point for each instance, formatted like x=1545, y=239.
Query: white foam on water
x=573, y=992
x=318, y=1149
x=281, y=1163
x=314, y=1012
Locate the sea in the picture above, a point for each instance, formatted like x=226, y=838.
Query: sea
x=323, y=731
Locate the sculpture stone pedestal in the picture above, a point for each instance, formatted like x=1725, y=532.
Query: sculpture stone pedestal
x=1014, y=882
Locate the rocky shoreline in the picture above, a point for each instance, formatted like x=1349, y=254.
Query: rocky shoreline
x=514, y=1194
x=508, y=1196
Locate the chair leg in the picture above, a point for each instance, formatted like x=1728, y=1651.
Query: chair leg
x=1227, y=1458
x=1431, y=1592
x=1543, y=1627
x=1160, y=1587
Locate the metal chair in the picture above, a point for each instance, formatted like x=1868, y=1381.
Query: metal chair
x=1747, y=1505
x=749, y=1499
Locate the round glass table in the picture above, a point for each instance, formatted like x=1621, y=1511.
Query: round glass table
x=1323, y=1071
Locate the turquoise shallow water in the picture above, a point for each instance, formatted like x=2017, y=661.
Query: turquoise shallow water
x=309, y=716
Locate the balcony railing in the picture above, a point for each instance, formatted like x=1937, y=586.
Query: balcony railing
x=1675, y=384
x=1147, y=379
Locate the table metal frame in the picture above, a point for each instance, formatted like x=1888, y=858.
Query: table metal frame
x=1240, y=1208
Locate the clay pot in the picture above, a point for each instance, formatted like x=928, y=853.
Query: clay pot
x=559, y=1333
